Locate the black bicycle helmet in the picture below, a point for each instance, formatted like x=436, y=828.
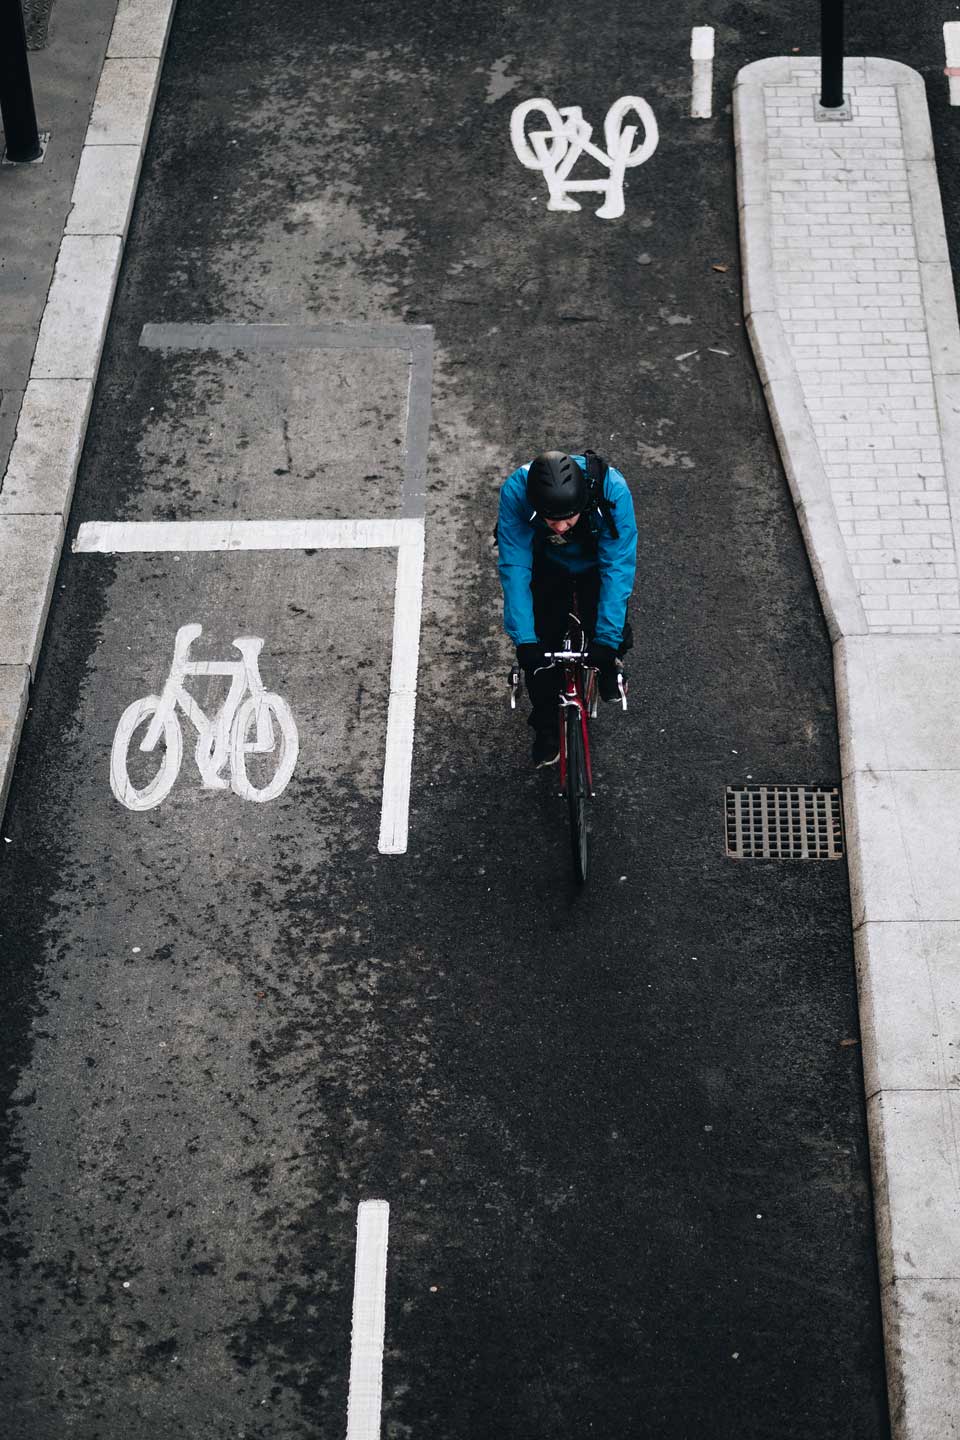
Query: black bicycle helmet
x=556, y=486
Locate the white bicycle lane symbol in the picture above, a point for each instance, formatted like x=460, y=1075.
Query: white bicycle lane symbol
x=221, y=741
x=556, y=150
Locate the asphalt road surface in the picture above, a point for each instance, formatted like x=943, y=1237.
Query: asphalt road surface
x=621, y=1131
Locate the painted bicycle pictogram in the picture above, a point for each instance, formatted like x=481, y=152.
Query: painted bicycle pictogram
x=557, y=149
x=221, y=742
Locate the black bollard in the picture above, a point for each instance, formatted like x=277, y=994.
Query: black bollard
x=831, y=54
x=16, y=94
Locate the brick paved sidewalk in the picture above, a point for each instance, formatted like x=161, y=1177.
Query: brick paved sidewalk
x=851, y=309
x=847, y=276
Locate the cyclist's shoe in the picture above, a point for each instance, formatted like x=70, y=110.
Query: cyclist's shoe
x=546, y=748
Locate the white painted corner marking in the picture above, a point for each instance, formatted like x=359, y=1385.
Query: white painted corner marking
x=231, y=536
x=369, y=1321
x=401, y=711
x=142, y=536
x=701, y=53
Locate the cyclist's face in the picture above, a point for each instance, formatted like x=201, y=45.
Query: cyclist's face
x=560, y=527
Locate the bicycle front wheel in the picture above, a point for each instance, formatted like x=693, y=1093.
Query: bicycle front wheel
x=577, y=792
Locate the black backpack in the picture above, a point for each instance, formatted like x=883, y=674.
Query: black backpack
x=597, y=498
x=596, y=478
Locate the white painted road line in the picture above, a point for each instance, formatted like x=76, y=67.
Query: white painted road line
x=369, y=1318
x=114, y=538
x=951, y=45
x=231, y=536
x=701, y=53
x=401, y=712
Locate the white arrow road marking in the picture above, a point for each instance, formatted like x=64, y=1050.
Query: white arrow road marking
x=369, y=1319
x=181, y=536
x=701, y=53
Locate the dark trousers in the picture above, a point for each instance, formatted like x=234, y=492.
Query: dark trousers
x=557, y=592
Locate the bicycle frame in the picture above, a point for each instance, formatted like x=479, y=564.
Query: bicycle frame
x=579, y=689
x=579, y=692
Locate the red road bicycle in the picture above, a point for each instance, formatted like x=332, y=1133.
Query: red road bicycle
x=578, y=705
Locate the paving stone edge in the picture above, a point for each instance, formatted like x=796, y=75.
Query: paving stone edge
x=897, y=699
x=37, y=487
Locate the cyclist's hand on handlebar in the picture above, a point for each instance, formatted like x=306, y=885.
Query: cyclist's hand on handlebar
x=604, y=657
x=530, y=657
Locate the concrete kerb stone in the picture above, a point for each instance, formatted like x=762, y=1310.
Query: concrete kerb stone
x=103, y=194
x=898, y=698
x=46, y=450
x=927, y=207
x=940, y=304
x=946, y=389
x=914, y=119
x=770, y=352
x=75, y=317
x=757, y=282
x=124, y=103
x=29, y=555
x=140, y=30
x=14, y=689
x=749, y=128
x=37, y=486
x=807, y=479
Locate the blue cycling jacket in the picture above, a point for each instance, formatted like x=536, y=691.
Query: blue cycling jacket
x=523, y=536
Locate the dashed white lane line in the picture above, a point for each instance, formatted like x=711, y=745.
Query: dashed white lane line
x=369, y=1318
x=701, y=53
x=181, y=536
x=951, y=45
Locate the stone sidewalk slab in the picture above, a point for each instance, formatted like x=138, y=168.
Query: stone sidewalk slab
x=921, y=1319
x=37, y=484
x=909, y=1005
x=901, y=695
x=852, y=314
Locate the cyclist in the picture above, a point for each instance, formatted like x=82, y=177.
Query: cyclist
x=565, y=522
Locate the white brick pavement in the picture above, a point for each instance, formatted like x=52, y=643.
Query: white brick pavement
x=846, y=275
x=851, y=308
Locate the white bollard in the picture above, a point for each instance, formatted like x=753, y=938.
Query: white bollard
x=951, y=45
x=701, y=53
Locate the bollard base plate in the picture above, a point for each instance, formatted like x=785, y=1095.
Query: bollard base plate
x=44, y=138
x=832, y=112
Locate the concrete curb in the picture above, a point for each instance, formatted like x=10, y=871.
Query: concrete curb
x=778, y=374
x=37, y=487
x=898, y=696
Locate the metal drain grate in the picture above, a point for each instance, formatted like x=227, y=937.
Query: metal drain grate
x=783, y=822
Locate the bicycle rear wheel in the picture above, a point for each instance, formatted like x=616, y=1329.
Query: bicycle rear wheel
x=577, y=792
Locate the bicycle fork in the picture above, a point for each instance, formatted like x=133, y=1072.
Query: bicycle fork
x=569, y=700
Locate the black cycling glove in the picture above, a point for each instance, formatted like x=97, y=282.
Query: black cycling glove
x=530, y=657
x=604, y=657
